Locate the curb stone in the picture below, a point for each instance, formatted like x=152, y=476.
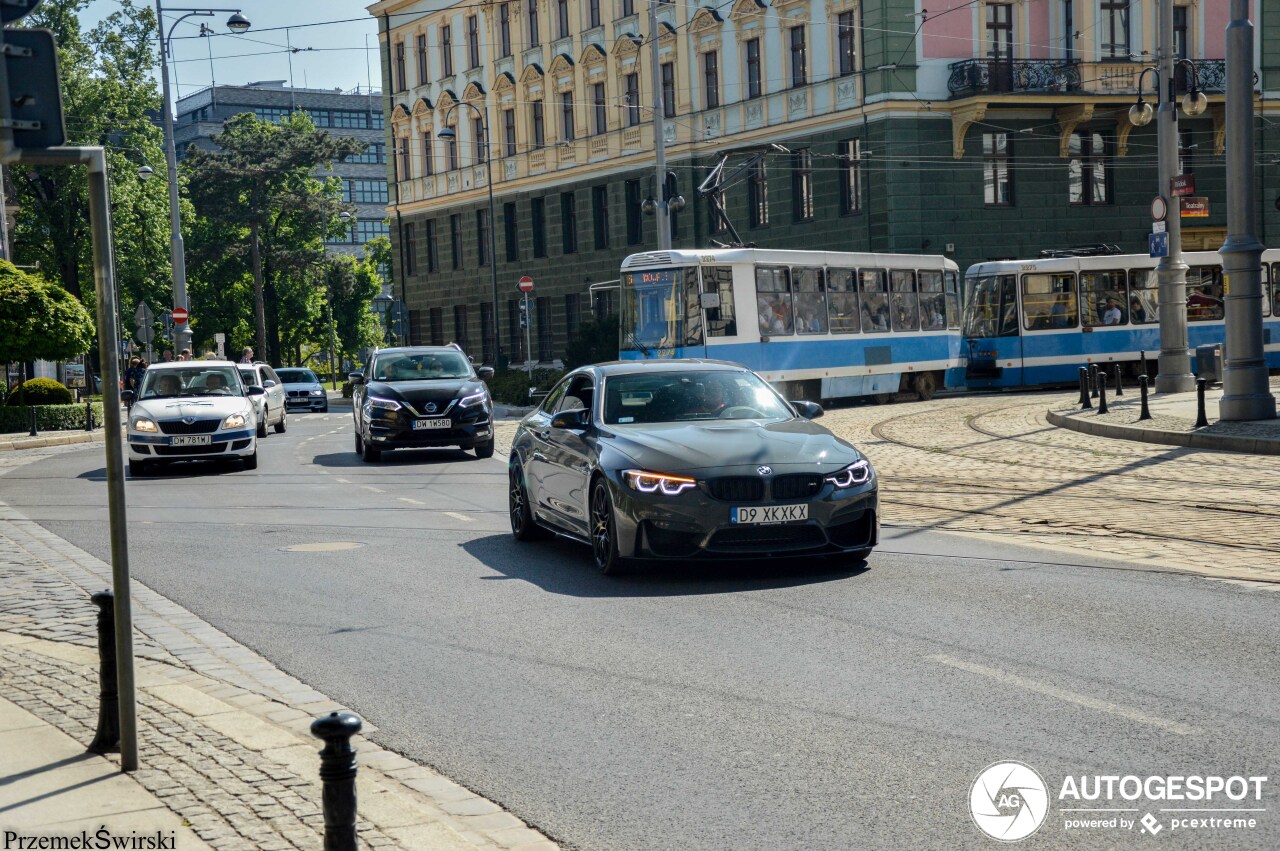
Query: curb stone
x=1166, y=431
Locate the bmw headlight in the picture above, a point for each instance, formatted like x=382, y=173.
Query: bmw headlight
x=383, y=404
x=857, y=473
x=317, y=392
x=233, y=421
x=667, y=485
x=144, y=424
x=472, y=400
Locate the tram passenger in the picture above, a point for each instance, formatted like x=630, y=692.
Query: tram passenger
x=1058, y=316
x=1137, y=313
x=1112, y=315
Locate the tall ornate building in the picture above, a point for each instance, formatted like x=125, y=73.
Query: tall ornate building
x=976, y=129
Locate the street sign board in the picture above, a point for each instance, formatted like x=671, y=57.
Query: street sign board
x=1159, y=244
x=1197, y=207
x=146, y=334
x=1158, y=227
x=13, y=10
x=1159, y=208
x=180, y=315
x=34, y=107
x=525, y=284
x=143, y=315
x=1182, y=184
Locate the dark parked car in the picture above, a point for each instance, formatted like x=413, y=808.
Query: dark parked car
x=687, y=459
x=421, y=396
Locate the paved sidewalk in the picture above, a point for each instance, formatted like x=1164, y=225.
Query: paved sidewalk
x=23, y=440
x=224, y=736
x=1172, y=423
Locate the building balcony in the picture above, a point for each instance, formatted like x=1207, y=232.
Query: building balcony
x=1012, y=76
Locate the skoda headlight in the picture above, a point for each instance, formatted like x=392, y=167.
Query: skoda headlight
x=646, y=482
x=233, y=421
x=472, y=400
x=857, y=473
x=382, y=404
x=144, y=424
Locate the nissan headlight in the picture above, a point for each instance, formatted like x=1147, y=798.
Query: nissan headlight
x=382, y=404
x=233, y=421
x=857, y=473
x=667, y=485
x=472, y=400
x=144, y=424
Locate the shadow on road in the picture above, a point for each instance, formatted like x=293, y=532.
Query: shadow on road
x=561, y=566
x=398, y=458
x=176, y=470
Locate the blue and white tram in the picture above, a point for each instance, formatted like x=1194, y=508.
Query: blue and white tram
x=1029, y=322
x=816, y=324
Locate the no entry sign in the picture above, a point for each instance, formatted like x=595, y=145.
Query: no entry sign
x=525, y=284
x=180, y=315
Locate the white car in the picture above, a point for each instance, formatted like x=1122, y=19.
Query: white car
x=270, y=406
x=191, y=411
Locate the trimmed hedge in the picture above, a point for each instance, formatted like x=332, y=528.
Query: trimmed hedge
x=48, y=417
x=41, y=391
x=511, y=386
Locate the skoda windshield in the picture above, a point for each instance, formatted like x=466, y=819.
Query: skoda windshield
x=192, y=381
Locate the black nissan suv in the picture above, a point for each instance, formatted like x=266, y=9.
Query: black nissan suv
x=415, y=397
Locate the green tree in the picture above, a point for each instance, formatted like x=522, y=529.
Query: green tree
x=352, y=284
x=597, y=341
x=260, y=191
x=40, y=320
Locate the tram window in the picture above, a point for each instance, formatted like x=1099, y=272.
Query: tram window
x=1102, y=298
x=875, y=303
x=811, y=300
x=1275, y=289
x=1204, y=293
x=842, y=301
x=773, y=300
x=933, y=305
x=1049, y=301
x=1266, y=290
x=953, y=299
x=906, y=306
x=692, y=309
x=721, y=321
x=992, y=307
x=1144, y=297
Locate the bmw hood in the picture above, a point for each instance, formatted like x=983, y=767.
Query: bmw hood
x=420, y=393
x=200, y=408
x=732, y=446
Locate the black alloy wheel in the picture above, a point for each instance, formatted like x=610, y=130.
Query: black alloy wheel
x=359, y=444
x=604, y=538
x=369, y=453
x=523, y=526
x=262, y=423
x=484, y=450
x=282, y=425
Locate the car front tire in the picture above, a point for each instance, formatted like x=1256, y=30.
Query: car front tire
x=282, y=425
x=523, y=526
x=369, y=453
x=604, y=531
x=250, y=461
x=137, y=468
x=484, y=450
x=262, y=423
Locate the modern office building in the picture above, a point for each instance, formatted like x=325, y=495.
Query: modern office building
x=981, y=130
x=359, y=114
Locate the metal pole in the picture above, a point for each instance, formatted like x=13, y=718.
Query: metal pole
x=659, y=133
x=328, y=295
x=493, y=226
x=177, y=252
x=4, y=220
x=1175, y=361
x=1245, y=391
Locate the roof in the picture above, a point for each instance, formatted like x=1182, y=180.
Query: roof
x=188, y=364
x=674, y=365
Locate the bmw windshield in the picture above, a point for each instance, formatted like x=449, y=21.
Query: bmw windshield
x=297, y=376
x=682, y=396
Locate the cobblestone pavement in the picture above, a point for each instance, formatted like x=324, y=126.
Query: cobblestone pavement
x=224, y=734
x=993, y=465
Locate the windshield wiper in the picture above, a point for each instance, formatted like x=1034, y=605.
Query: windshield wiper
x=631, y=336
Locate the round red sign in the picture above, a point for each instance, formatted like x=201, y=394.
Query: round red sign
x=180, y=315
x=525, y=284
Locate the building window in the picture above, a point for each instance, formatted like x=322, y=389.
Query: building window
x=473, y=41
x=487, y=342
x=1089, y=170
x=562, y=18
x=569, y=222
x=451, y=149
x=511, y=229
x=460, y=325
x=572, y=316
x=428, y=160
x=598, y=105
x=566, y=117
x=482, y=236
x=600, y=215
x=799, y=57
x=1180, y=33
x=633, y=100
x=846, y=45
x=436, y=319
x=446, y=51
x=631, y=199
x=402, y=145
x=423, y=71
x=477, y=136
x=365, y=191
x=455, y=240
x=593, y=13
x=410, y=245
x=758, y=195
x=545, y=352
x=504, y=29
x=802, y=186
x=538, y=221
x=669, y=89
x=711, y=79
x=534, y=40
x=367, y=229
x=539, y=125
x=401, y=82
x=509, y=132
x=997, y=183
x=752, y=48
x=628, y=8
x=270, y=114
x=851, y=176
x=433, y=259
x=1000, y=31
x=1115, y=29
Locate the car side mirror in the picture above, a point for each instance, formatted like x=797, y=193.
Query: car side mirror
x=485, y=373
x=356, y=377
x=572, y=420
x=268, y=384
x=126, y=395
x=808, y=410
x=255, y=390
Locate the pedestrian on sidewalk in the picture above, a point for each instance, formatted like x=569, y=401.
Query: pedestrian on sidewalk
x=133, y=374
x=246, y=356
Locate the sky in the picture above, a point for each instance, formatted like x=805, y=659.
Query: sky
x=337, y=58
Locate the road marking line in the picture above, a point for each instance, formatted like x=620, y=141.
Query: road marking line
x=412, y=501
x=1069, y=696
x=456, y=516
x=344, y=481
x=372, y=488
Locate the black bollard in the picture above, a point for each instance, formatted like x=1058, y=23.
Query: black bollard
x=1143, y=355
x=338, y=776
x=1201, y=419
x=1142, y=386
x=1102, y=391
x=1093, y=380
x=107, y=739
x=1085, y=404
x=88, y=416
x=1119, y=386
x=33, y=433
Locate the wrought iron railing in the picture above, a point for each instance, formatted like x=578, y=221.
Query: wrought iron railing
x=995, y=76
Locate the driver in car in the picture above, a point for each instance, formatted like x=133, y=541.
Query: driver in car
x=168, y=385
x=711, y=399
x=216, y=382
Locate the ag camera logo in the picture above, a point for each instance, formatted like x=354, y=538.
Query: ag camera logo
x=1008, y=801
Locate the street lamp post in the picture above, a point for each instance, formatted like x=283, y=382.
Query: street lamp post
x=237, y=23
x=448, y=133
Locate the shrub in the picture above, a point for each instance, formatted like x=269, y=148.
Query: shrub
x=511, y=386
x=596, y=342
x=346, y=390
x=41, y=391
x=48, y=417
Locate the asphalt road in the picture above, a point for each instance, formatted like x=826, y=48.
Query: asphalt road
x=779, y=706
